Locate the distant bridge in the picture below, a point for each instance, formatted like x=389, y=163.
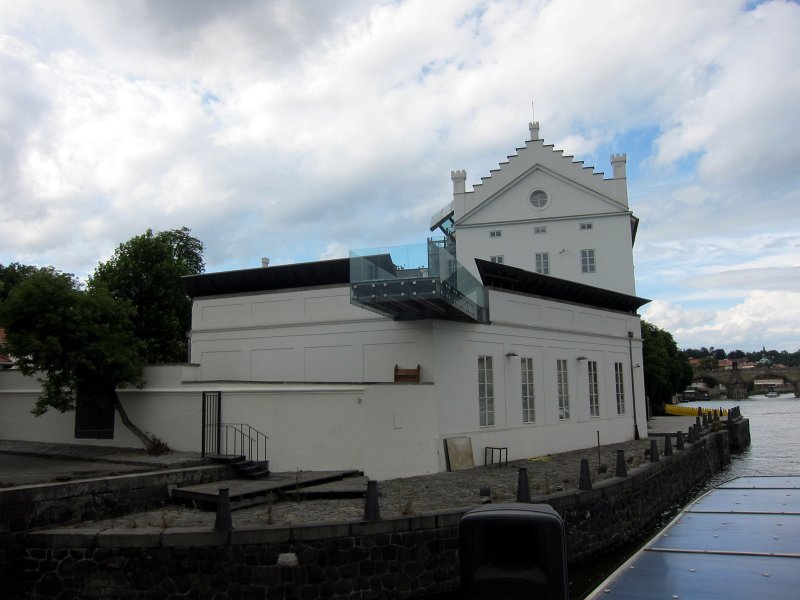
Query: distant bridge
x=739, y=381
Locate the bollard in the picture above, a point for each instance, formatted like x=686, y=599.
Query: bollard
x=705, y=421
x=523, y=486
x=667, y=446
x=372, y=511
x=699, y=411
x=622, y=467
x=730, y=415
x=697, y=422
x=653, y=451
x=485, y=494
x=224, y=521
x=586, y=477
x=691, y=435
x=698, y=431
x=679, y=441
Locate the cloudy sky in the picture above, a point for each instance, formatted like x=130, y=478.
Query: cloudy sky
x=300, y=129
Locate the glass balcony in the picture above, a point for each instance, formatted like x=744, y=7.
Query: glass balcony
x=419, y=281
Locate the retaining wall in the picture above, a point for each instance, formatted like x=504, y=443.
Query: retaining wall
x=393, y=558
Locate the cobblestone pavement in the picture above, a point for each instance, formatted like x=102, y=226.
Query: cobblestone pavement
x=410, y=495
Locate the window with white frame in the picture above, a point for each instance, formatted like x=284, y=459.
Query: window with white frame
x=528, y=411
x=539, y=229
x=594, y=389
x=563, y=389
x=496, y=259
x=496, y=233
x=587, y=261
x=543, y=263
x=485, y=391
x=586, y=226
x=619, y=382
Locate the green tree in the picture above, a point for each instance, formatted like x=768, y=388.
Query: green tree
x=80, y=342
x=666, y=369
x=146, y=271
x=11, y=276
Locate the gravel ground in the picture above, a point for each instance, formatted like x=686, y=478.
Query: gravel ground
x=409, y=495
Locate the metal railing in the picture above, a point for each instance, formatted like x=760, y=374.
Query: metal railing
x=240, y=439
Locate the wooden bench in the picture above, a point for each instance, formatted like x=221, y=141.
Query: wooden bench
x=406, y=375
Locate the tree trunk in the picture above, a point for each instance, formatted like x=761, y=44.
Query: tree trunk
x=150, y=444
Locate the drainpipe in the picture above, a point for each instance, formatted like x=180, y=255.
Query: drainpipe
x=633, y=387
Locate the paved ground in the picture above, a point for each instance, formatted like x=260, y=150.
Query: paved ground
x=404, y=496
x=27, y=463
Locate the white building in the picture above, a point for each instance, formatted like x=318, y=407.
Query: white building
x=507, y=357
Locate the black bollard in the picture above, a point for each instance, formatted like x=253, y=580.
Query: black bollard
x=622, y=467
x=224, y=521
x=699, y=411
x=697, y=422
x=705, y=421
x=691, y=435
x=730, y=415
x=667, y=446
x=586, y=477
x=698, y=431
x=372, y=511
x=653, y=451
x=679, y=440
x=485, y=494
x=523, y=486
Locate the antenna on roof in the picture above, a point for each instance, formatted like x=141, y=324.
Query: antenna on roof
x=533, y=113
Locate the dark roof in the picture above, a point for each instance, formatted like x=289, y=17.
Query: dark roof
x=337, y=272
x=505, y=277
x=325, y=272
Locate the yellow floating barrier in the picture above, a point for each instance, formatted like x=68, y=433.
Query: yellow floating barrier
x=691, y=411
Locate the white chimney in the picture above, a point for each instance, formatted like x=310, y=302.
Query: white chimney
x=265, y=261
x=618, y=162
x=534, y=129
x=459, y=193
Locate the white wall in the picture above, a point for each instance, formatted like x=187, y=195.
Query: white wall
x=545, y=331
x=610, y=238
x=311, y=335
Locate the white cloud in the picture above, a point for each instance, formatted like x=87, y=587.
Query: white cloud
x=298, y=130
x=763, y=318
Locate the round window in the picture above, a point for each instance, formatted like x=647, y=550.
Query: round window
x=538, y=199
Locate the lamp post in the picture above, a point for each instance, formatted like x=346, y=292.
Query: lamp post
x=633, y=387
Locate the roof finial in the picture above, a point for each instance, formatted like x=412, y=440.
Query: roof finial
x=533, y=126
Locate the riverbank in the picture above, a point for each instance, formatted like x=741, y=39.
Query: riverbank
x=412, y=550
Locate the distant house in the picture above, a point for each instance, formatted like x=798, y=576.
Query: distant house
x=6, y=362
x=518, y=329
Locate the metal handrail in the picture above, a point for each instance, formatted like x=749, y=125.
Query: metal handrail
x=240, y=439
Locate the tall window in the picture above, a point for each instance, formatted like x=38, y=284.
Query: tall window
x=485, y=391
x=496, y=259
x=543, y=263
x=594, y=390
x=620, y=388
x=528, y=412
x=587, y=261
x=563, y=389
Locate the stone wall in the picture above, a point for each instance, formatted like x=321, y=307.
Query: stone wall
x=393, y=558
x=25, y=507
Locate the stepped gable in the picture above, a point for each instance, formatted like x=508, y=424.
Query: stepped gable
x=538, y=155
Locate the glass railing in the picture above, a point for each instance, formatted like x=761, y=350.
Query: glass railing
x=433, y=260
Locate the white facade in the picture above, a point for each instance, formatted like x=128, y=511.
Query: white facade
x=574, y=209
x=295, y=358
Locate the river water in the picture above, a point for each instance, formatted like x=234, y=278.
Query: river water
x=774, y=450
